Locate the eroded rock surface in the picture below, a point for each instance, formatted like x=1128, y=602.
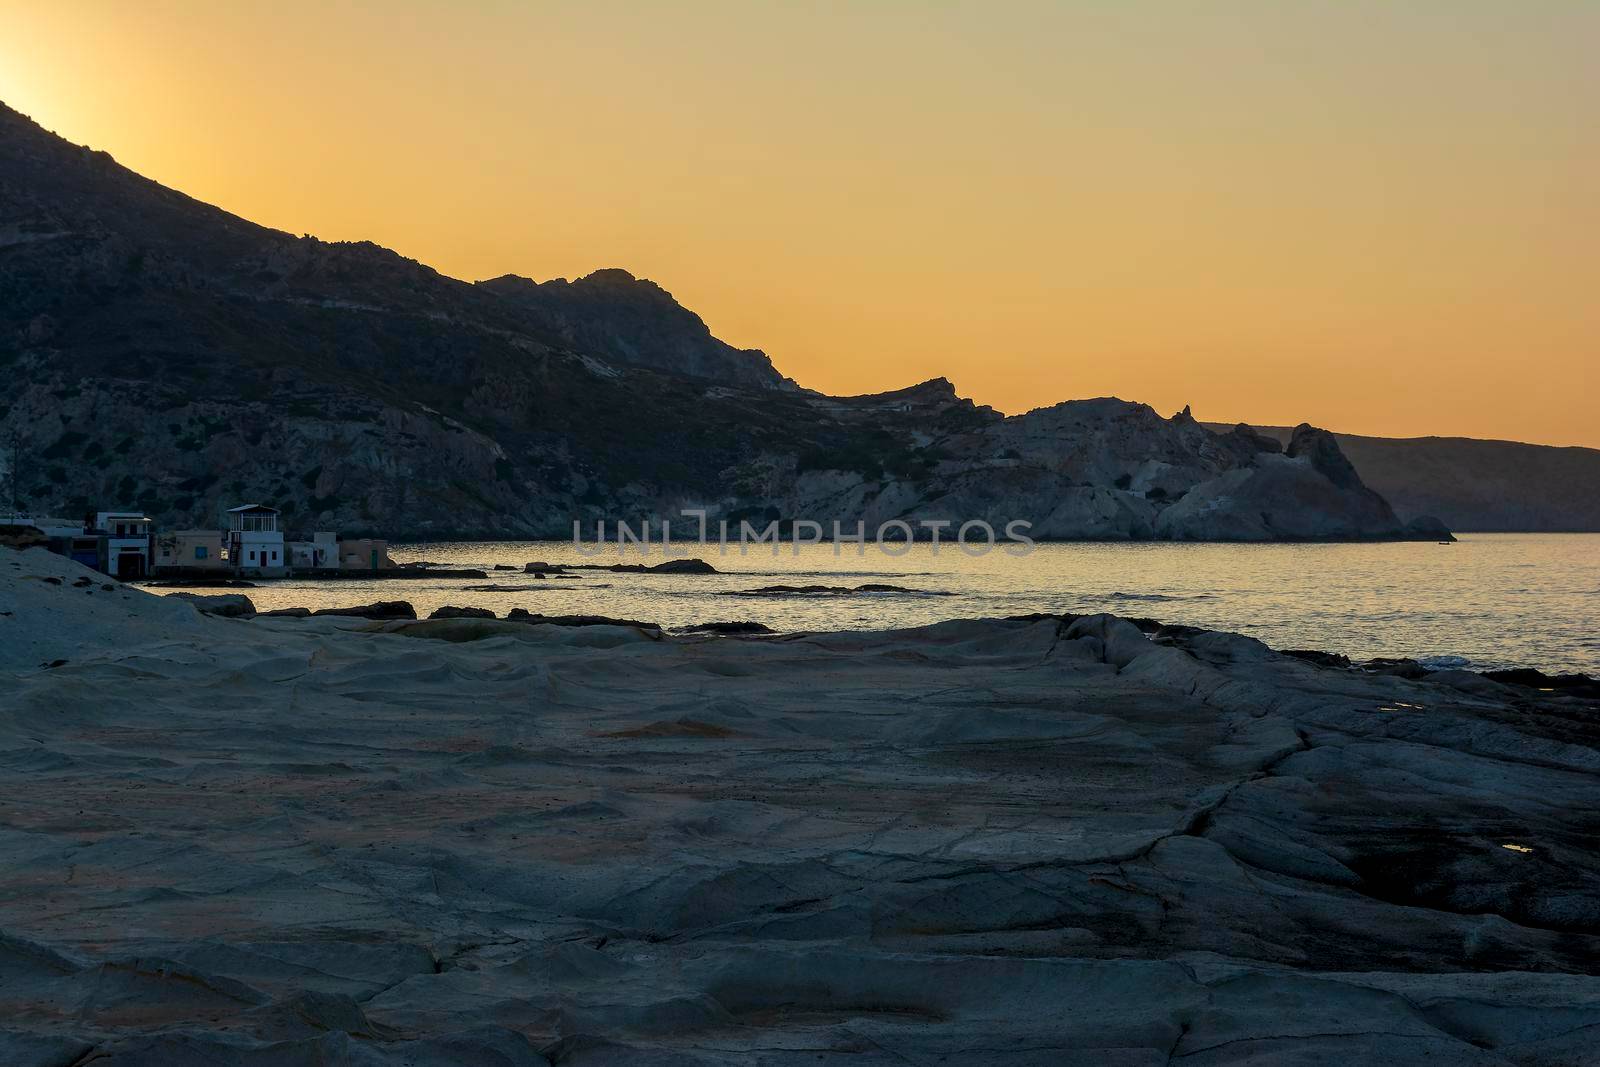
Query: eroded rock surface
x=1039, y=841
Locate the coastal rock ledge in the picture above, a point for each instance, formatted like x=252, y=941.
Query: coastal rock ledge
x=1045, y=840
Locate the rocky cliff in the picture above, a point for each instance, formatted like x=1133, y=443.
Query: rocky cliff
x=160, y=353
x=1472, y=484
x=1108, y=469
x=623, y=319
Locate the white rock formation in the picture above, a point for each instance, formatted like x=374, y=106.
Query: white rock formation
x=1111, y=470
x=1035, y=841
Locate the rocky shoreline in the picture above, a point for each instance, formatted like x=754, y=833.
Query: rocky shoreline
x=1035, y=840
x=239, y=606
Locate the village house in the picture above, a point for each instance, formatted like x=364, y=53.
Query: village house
x=190, y=550
x=321, y=552
x=120, y=543
x=125, y=544
x=255, y=544
x=364, y=554
x=117, y=543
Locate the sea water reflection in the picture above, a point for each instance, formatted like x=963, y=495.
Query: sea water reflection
x=1490, y=600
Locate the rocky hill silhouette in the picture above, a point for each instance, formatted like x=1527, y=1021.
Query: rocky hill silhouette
x=163, y=354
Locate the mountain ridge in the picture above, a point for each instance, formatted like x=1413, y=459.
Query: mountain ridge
x=642, y=325
x=169, y=355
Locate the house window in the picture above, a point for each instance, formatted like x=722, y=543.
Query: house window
x=199, y=551
x=252, y=555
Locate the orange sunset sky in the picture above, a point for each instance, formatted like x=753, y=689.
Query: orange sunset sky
x=1382, y=218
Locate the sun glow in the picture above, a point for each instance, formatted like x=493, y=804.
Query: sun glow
x=1373, y=217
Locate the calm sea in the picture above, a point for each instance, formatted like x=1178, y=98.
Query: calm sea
x=1490, y=600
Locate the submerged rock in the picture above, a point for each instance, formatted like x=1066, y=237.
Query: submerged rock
x=451, y=612
x=523, y=615
x=671, y=566
x=727, y=629
x=683, y=566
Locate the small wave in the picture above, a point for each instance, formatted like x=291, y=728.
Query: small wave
x=1158, y=597
x=1444, y=663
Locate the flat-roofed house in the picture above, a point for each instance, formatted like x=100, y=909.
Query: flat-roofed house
x=126, y=544
x=190, y=550
x=364, y=554
x=255, y=544
x=320, y=552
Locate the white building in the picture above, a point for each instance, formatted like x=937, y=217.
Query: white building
x=255, y=544
x=127, y=543
x=321, y=552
